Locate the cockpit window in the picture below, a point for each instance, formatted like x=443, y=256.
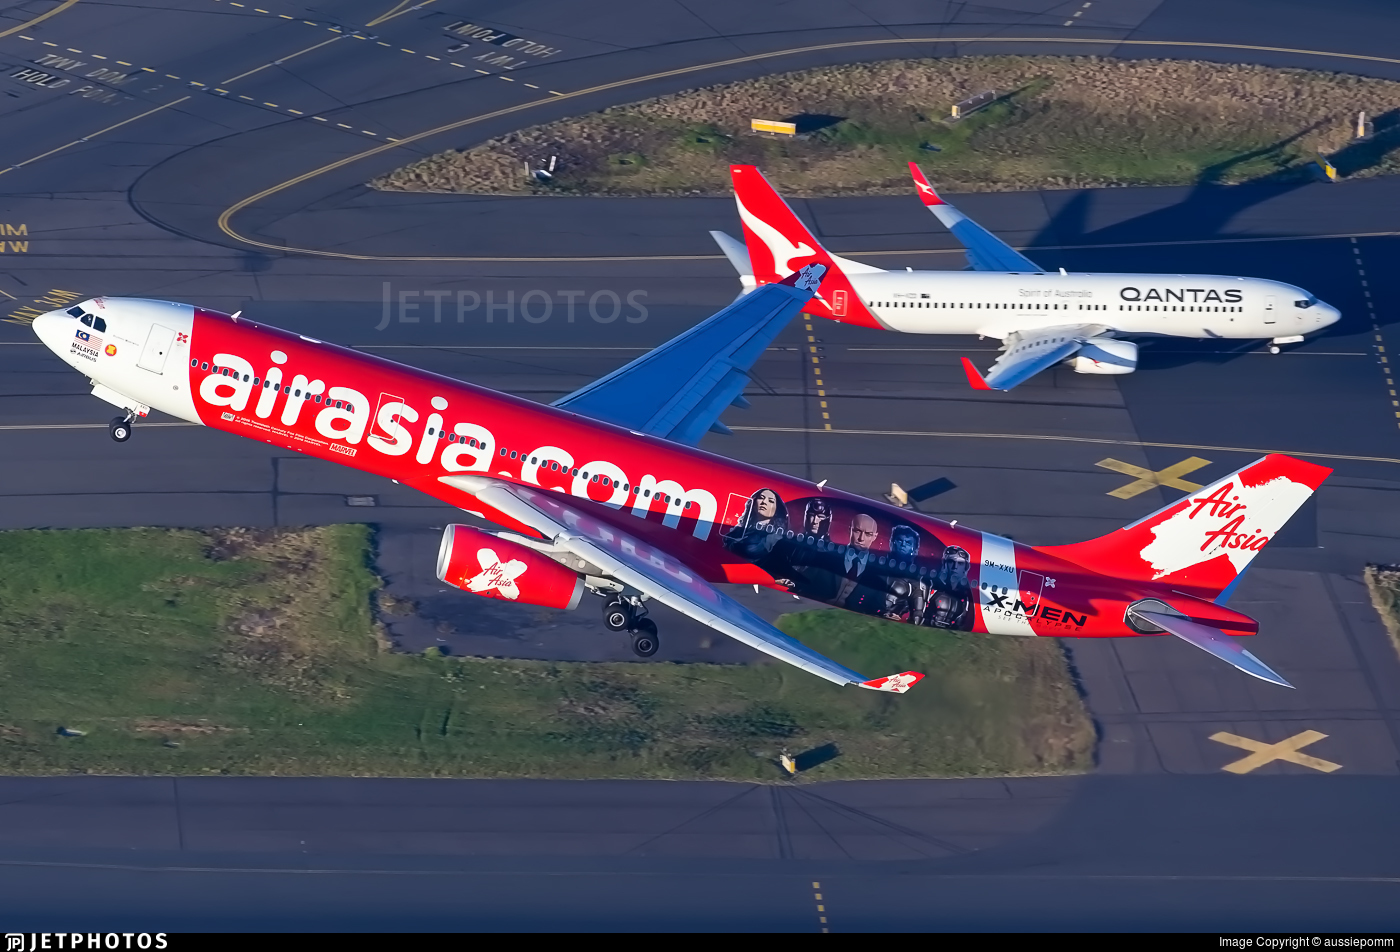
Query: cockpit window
x=87, y=319
x=75, y=312
x=1305, y=303
x=99, y=325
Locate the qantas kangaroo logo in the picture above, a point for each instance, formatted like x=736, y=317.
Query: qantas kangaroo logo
x=783, y=250
x=1231, y=518
x=496, y=577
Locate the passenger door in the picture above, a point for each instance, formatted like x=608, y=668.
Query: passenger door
x=158, y=343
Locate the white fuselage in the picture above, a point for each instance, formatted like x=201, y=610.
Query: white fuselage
x=995, y=304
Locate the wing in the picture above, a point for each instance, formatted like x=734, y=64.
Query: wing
x=654, y=573
x=985, y=251
x=678, y=390
x=1029, y=352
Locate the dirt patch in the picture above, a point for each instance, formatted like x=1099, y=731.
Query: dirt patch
x=1383, y=582
x=175, y=728
x=1060, y=122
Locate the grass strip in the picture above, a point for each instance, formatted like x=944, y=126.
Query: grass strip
x=1061, y=122
x=151, y=651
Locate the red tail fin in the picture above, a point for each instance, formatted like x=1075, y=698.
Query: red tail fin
x=1200, y=545
x=780, y=244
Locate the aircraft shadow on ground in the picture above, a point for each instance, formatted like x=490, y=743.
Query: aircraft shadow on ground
x=1369, y=152
x=1205, y=213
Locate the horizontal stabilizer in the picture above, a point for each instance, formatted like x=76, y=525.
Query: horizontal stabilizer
x=1214, y=641
x=985, y=251
x=735, y=251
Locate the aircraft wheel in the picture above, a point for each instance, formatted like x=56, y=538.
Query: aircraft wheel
x=617, y=614
x=119, y=429
x=645, y=640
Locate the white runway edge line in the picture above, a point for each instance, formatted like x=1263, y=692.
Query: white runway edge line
x=82, y=426
x=1052, y=438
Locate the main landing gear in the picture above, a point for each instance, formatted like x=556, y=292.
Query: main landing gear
x=120, y=429
x=629, y=615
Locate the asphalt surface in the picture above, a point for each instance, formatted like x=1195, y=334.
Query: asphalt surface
x=120, y=189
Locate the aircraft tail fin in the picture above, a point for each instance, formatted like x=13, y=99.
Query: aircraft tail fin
x=1201, y=545
x=779, y=244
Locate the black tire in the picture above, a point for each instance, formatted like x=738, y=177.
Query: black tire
x=119, y=429
x=617, y=614
x=645, y=640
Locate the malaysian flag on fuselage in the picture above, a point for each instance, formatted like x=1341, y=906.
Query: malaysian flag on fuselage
x=90, y=339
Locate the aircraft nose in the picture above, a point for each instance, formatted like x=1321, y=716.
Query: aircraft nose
x=1329, y=316
x=49, y=329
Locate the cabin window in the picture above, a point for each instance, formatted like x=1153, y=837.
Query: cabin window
x=512, y=454
x=194, y=363
x=318, y=398
x=607, y=481
x=452, y=438
x=441, y=433
x=503, y=451
x=534, y=461
x=574, y=472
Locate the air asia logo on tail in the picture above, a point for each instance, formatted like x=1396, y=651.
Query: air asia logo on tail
x=1232, y=518
x=496, y=578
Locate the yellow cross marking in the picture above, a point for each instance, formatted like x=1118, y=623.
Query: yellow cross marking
x=1267, y=753
x=1146, y=479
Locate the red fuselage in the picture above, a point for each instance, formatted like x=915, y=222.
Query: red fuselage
x=728, y=521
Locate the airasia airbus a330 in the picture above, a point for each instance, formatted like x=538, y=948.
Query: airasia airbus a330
x=605, y=492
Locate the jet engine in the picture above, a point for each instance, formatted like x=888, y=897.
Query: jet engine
x=488, y=565
x=1105, y=355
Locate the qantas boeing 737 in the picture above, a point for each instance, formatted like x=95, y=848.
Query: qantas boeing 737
x=1042, y=318
x=605, y=491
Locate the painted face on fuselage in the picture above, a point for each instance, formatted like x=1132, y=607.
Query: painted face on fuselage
x=904, y=542
x=766, y=504
x=863, y=531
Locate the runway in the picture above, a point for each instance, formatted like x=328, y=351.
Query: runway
x=146, y=193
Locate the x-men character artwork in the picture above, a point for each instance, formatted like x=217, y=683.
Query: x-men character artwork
x=837, y=554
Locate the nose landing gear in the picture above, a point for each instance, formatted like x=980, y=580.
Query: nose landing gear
x=120, y=429
x=620, y=614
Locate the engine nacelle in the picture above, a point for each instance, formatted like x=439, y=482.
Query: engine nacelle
x=488, y=565
x=1106, y=355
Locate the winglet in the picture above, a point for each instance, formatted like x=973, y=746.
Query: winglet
x=926, y=193
x=807, y=278
x=973, y=377
x=895, y=683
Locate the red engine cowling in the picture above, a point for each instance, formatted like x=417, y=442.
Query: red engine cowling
x=483, y=564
